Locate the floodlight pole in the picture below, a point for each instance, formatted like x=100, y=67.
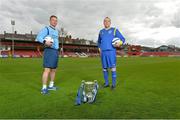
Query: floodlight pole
x=13, y=24
x=62, y=35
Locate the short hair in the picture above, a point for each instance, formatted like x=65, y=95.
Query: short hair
x=52, y=16
x=107, y=18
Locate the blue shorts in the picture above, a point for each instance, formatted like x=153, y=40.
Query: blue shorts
x=108, y=59
x=50, y=58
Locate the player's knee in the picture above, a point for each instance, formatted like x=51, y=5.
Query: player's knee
x=47, y=70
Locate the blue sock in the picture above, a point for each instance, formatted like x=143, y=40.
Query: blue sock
x=114, y=78
x=105, y=73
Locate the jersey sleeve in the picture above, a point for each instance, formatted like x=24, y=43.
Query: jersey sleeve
x=41, y=35
x=99, y=40
x=120, y=36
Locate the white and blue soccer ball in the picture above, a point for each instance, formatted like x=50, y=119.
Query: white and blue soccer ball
x=49, y=38
x=116, y=41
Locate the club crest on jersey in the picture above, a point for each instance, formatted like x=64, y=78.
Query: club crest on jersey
x=110, y=31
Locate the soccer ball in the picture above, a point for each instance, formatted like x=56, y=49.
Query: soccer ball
x=48, y=38
x=116, y=41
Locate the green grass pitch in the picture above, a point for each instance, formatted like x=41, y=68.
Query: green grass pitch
x=146, y=88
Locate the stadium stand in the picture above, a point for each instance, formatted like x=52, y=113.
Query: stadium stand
x=26, y=46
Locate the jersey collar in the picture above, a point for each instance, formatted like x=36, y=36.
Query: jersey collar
x=52, y=27
x=108, y=28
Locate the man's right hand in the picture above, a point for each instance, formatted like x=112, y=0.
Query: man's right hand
x=48, y=43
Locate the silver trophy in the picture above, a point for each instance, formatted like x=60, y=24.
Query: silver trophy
x=90, y=90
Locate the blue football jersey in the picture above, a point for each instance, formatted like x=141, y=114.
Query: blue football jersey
x=49, y=31
x=106, y=36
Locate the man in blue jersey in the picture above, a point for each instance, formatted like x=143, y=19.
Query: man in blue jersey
x=51, y=54
x=108, y=51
